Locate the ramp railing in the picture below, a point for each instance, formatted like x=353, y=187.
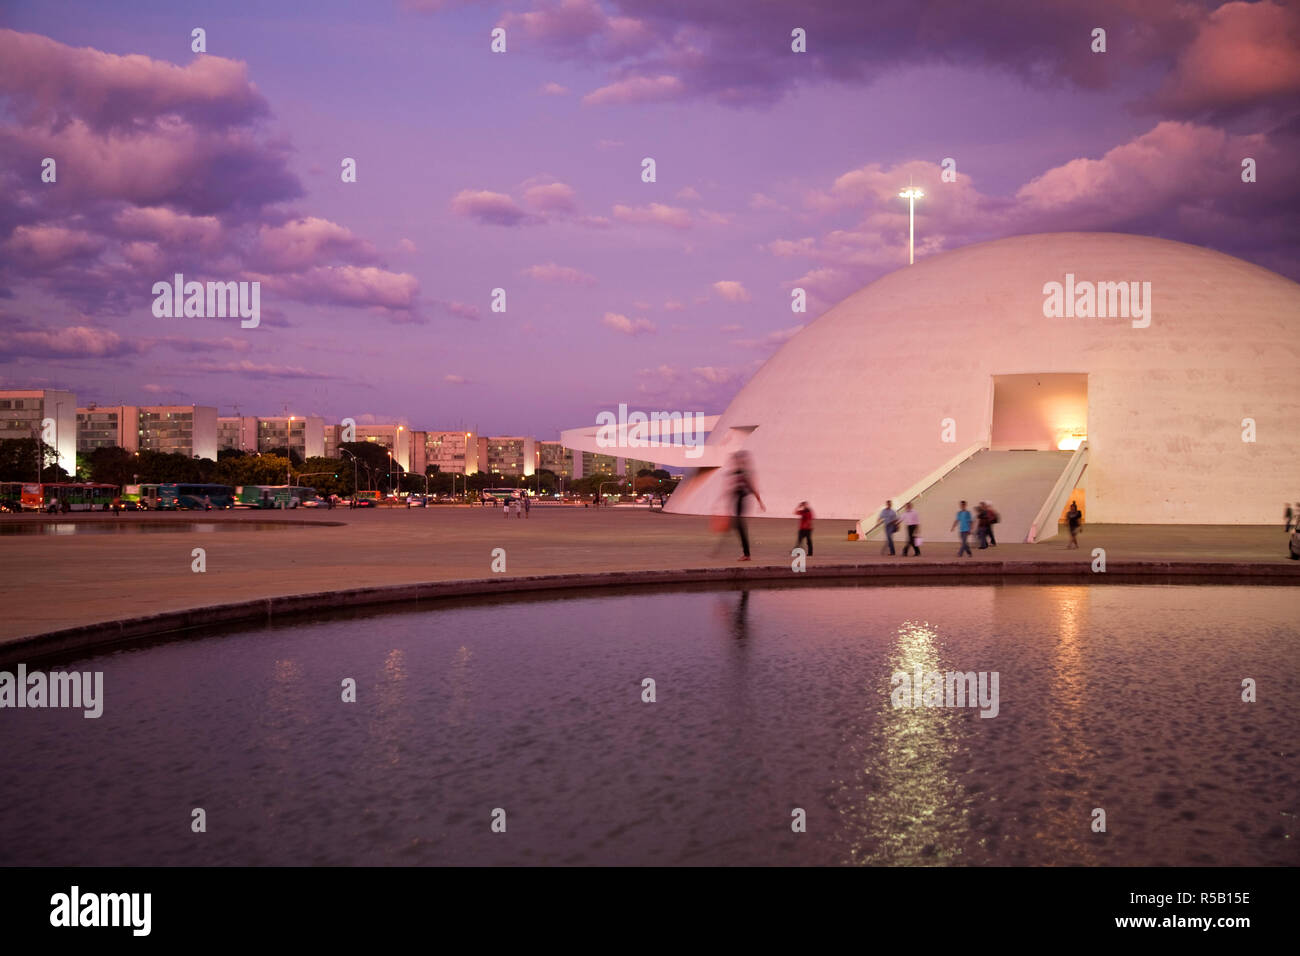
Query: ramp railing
x=1045, y=522
x=917, y=488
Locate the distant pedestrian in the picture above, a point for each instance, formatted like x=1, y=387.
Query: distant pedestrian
x=505, y=509
x=519, y=507
x=528, y=504
x=207, y=503
x=742, y=486
x=1074, y=517
x=117, y=506
x=982, y=525
x=889, y=517
x=912, y=522
x=1288, y=514
x=994, y=518
x=962, y=523
x=805, y=513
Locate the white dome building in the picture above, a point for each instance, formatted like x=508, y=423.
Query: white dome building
x=1156, y=382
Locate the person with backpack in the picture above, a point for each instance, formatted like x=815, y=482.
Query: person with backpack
x=982, y=525
x=994, y=518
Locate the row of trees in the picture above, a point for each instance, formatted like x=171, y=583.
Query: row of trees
x=20, y=457
x=367, y=461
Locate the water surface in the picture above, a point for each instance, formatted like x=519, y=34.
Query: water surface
x=1125, y=698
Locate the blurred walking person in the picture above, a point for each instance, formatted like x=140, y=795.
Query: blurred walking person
x=1288, y=515
x=742, y=486
x=912, y=522
x=889, y=517
x=982, y=525
x=805, y=513
x=994, y=518
x=1073, y=517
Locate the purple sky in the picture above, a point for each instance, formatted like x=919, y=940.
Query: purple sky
x=523, y=171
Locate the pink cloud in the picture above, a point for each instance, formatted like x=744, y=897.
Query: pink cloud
x=302, y=243
x=732, y=291
x=654, y=214
x=491, y=208
x=551, y=272
x=621, y=323
x=1243, y=54
x=41, y=246
x=552, y=197
x=637, y=89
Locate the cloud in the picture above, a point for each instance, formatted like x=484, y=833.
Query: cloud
x=636, y=89
x=161, y=169
x=349, y=286
x=732, y=291
x=487, y=207
x=703, y=388
x=41, y=246
x=553, y=89
x=581, y=29
x=1243, y=55
x=71, y=342
x=621, y=323
x=463, y=310
x=552, y=197
x=672, y=305
x=260, y=369
x=733, y=327
x=771, y=339
x=306, y=242
x=655, y=214
x=550, y=272
x=455, y=380
x=47, y=82
x=407, y=246
x=688, y=194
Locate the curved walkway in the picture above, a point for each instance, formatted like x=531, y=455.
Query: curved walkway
x=72, y=593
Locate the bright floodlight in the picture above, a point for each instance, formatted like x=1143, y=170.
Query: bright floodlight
x=911, y=194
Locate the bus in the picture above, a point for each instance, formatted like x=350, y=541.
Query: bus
x=78, y=496
x=272, y=496
x=144, y=496
x=11, y=495
x=368, y=499
x=187, y=497
x=499, y=496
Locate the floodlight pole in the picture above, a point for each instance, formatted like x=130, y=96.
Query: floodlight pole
x=911, y=194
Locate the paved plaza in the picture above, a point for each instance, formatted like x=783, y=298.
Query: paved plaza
x=58, y=581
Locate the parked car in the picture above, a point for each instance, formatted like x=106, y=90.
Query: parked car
x=415, y=501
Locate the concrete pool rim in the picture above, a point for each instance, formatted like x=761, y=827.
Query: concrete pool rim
x=102, y=635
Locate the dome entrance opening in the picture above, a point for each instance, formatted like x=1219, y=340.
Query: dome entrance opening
x=1039, y=412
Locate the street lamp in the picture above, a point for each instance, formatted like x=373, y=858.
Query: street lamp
x=288, y=452
x=911, y=194
x=354, y=473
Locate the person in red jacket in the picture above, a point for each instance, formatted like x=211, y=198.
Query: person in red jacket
x=805, y=513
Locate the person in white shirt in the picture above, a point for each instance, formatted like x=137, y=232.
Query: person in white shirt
x=912, y=522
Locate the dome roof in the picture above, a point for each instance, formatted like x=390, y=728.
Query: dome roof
x=851, y=410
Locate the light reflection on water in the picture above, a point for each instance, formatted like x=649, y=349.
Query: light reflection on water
x=1123, y=697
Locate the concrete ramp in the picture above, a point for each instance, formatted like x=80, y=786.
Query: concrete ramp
x=1016, y=483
